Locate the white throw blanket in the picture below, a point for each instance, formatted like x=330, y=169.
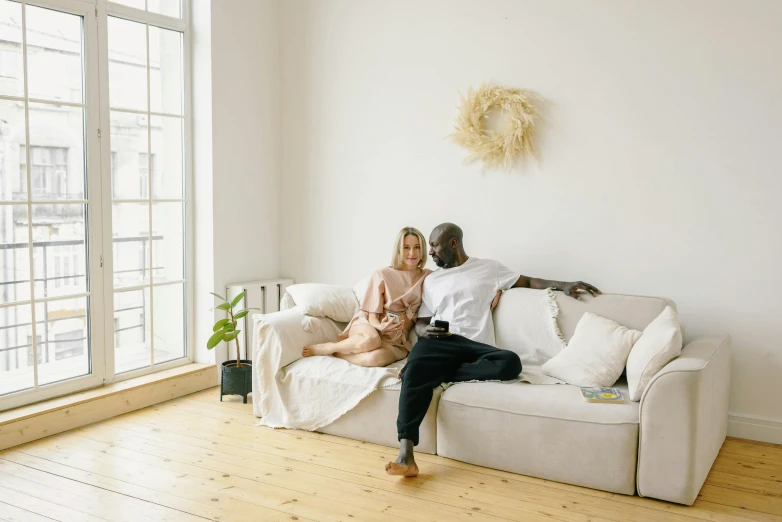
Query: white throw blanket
x=305, y=393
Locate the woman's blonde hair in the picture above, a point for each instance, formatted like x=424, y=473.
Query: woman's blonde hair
x=399, y=244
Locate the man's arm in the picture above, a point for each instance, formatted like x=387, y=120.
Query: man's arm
x=570, y=289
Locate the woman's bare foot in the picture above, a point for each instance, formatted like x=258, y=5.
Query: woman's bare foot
x=318, y=349
x=404, y=465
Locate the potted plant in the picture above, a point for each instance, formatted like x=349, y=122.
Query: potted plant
x=237, y=373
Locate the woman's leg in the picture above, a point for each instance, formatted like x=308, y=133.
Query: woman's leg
x=375, y=359
x=361, y=338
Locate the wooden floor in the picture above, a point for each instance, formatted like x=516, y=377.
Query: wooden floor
x=194, y=458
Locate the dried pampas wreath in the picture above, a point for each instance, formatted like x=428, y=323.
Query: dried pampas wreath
x=495, y=149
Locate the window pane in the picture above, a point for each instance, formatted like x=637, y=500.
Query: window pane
x=16, y=369
x=131, y=243
x=54, y=55
x=165, y=7
x=167, y=165
x=13, y=164
x=131, y=330
x=138, y=4
x=64, y=349
x=14, y=256
x=129, y=143
x=169, y=324
x=59, y=234
x=127, y=64
x=11, y=72
x=57, y=168
x=167, y=241
x=165, y=70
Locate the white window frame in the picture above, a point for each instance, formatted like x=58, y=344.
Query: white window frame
x=105, y=9
x=98, y=187
x=93, y=201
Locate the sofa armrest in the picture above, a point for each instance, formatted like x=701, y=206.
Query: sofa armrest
x=278, y=339
x=683, y=421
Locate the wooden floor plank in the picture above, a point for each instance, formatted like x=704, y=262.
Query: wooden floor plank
x=209, y=509
x=373, y=500
x=9, y=513
x=313, y=475
x=17, y=494
x=99, y=500
x=195, y=458
x=243, y=497
x=771, y=488
x=169, y=416
x=495, y=490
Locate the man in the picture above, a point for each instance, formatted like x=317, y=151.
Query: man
x=460, y=293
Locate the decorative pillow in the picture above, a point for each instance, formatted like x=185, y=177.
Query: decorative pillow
x=595, y=355
x=318, y=300
x=526, y=322
x=660, y=343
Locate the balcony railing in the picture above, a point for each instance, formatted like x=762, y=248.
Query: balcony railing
x=45, y=279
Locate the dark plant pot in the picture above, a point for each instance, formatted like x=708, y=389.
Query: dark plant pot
x=236, y=380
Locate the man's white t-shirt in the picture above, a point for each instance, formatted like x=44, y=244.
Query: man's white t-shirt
x=462, y=296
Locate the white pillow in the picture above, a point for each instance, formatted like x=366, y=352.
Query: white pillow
x=526, y=323
x=319, y=300
x=660, y=343
x=595, y=355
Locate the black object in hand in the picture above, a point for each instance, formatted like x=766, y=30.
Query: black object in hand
x=441, y=324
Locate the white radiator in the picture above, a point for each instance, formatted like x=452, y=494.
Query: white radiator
x=264, y=295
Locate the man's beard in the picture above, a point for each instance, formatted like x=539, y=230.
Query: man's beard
x=439, y=261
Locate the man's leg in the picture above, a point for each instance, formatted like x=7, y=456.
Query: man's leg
x=428, y=364
x=488, y=364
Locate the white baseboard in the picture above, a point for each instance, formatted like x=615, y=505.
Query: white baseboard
x=755, y=428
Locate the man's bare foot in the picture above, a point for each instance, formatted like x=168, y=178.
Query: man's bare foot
x=404, y=470
x=404, y=465
x=318, y=349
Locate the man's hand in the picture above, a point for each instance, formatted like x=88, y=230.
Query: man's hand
x=496, y=300
x=573, y=289
x=433, y=332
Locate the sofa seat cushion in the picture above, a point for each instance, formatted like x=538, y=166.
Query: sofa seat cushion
x=374, y=420
x=545, y=431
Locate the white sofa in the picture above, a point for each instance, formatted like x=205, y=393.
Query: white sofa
x=660, y=447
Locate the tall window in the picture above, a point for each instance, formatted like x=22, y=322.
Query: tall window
x=92, y=117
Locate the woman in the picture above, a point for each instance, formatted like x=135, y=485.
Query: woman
x=377, y=334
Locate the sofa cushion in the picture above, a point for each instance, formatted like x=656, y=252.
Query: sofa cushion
x=632, y=311
x=374, y=420
x=545, y=431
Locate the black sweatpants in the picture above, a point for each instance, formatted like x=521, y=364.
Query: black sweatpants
x=452, y=359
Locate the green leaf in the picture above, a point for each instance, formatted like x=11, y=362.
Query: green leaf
x=219, y=324
x=229, y=327
x=224, y=306
x=241, y=314
x=238, y=298
x=230, y=336
x=215, y=339
x=218, y=296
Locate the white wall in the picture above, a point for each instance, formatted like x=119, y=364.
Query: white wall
x=659, y=171
x=237, y=150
